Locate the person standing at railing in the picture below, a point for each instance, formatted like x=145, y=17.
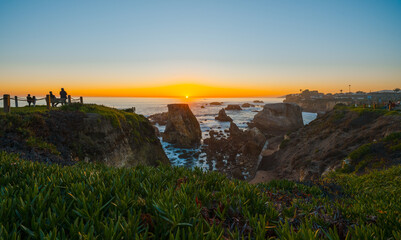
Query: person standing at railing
x=52, y=98
x=29, y=99
x=34, y=101
x=63, y=96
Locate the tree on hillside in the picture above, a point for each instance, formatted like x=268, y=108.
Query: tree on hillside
x=396, y=90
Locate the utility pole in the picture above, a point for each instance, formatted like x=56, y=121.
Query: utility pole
x=349, y=88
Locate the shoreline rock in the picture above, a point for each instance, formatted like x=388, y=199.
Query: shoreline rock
x=222, y=116
x=247, y=105
x=233, y=107
x=215, y=103
x=237, y=154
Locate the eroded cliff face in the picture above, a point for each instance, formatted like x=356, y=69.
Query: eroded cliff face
x=68, y=136
x=278, y=118
x=125, y=145
x=323, y=144
x=319, y=106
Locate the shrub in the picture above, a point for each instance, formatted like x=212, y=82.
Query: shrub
x=360, y=152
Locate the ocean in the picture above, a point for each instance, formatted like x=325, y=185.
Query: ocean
x=205, y=116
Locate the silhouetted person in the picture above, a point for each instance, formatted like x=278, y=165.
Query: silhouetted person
x=63, y=96
x=29, y=99
x=34, y=101
x=52, y=98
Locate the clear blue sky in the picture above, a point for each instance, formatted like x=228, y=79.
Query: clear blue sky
x=284, y=45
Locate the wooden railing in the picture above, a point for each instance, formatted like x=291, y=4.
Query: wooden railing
x=50, y=102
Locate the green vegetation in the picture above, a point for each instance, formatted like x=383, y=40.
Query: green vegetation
x=361, y=110
x=24, y=110
x=34, y=128
x=393, y=137
x=374, y=155
x=393, y=141
x=42, y=145
x=140, y=124
x=88, y=201
x=114, y=115
x=361, y=151
x=337, y=116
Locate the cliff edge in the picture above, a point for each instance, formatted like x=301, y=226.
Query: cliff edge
x=77, y=132
x=356, y=137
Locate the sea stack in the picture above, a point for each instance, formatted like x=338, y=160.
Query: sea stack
x=278, y=118
x=182, y=127
x=222, y=117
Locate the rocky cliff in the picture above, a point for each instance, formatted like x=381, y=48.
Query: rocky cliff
x=182, y=127
x=329, y=141
x=278, y=118
x=81, y=133
x=320, y=106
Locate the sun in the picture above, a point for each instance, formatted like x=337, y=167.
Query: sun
x=186, y=97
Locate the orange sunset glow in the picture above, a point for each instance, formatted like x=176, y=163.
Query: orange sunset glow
x=180, y=90
x=188, y=90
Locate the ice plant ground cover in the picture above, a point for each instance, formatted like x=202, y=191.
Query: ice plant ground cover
x=88, y=201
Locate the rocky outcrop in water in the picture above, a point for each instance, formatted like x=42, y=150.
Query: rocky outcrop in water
x=278, y=118
x=182, y=127
x=76, y=133
x=215, y=103
x=322, y=145
x=247, y=105
x=234, y=129
x=222, y=117
x=236, y=155
x=233, y=107
x=159, y=118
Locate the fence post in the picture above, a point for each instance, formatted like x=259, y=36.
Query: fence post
x=48, y=101
x=16, y=101
x=81, y=99
x=6, y=103
x=69, y=99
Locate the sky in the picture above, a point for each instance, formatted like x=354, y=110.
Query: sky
x=223, y=48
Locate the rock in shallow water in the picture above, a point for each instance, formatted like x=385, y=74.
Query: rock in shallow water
x=247, y=105
x=233, y=107
x=182, y=127
x=215, y=103
x=222, y=117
